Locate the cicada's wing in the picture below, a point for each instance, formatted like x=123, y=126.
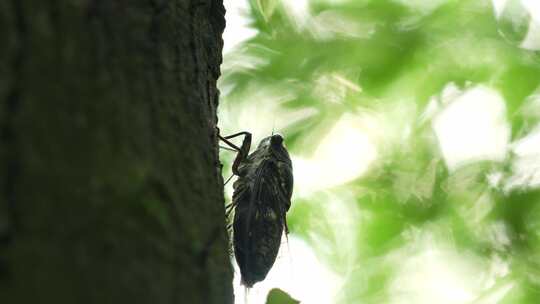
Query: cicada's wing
x=258, y=223
x=241, y=233
x=286, y=183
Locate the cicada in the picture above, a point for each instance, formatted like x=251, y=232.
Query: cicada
x=261, y=199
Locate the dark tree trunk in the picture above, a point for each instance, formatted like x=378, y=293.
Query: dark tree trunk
x=110, y=187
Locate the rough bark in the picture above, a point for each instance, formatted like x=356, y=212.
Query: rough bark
x=110, y=186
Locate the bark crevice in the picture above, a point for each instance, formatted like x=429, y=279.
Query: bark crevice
x=9, y=135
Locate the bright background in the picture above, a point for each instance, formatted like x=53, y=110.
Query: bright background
x=414, y=130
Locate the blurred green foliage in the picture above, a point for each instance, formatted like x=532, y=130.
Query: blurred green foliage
x=392, y=59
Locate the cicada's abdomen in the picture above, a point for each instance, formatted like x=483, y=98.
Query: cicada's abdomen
x=256, y=248
x=262, y=197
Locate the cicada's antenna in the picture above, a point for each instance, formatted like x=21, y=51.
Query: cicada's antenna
x=273, y=126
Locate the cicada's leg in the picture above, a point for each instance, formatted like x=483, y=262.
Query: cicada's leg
x=229, y=208
x=228, y=180
x=228, y=149
x=243, y=151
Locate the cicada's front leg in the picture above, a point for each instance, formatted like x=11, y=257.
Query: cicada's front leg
x=243, y=151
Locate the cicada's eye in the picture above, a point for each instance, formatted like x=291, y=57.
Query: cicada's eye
x=276, y=140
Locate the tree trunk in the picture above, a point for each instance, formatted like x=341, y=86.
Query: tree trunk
x=110, y=185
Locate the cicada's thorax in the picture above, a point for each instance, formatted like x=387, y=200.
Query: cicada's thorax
x=261, y=203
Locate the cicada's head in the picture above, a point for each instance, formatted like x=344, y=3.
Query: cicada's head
x=273, y=145
x=274, y=142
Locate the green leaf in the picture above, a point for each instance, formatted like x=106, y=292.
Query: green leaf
x=278, y=296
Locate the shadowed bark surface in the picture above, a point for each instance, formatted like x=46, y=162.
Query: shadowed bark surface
x=110, y=185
